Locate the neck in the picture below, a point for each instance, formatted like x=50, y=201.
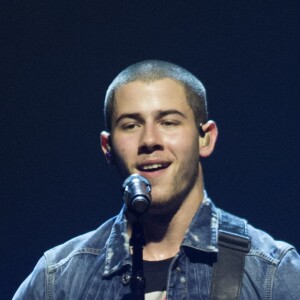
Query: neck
x=165, y=232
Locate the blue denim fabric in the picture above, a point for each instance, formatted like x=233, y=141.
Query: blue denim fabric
x=97, y=265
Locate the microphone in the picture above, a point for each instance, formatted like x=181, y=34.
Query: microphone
x=137, y=194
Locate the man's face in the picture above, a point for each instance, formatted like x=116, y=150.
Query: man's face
x=154, y=134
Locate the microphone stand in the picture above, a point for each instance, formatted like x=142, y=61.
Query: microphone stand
x=137, y=241
x=137, y=197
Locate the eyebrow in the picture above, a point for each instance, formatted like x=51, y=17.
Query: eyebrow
x=160, y=114
x=164, y=113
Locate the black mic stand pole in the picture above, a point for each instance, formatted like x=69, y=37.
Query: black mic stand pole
x=137, y=241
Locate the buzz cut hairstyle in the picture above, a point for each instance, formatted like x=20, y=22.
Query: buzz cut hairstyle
x=153, y=70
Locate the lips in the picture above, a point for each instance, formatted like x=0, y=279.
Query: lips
x=152, y=166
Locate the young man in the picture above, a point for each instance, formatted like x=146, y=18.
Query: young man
x=157, y=127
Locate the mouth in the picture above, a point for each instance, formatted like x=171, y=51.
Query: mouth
x=153, y=167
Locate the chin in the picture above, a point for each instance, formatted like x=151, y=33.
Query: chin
x=164, y=207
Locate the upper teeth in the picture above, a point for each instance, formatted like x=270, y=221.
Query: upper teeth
x=154, y=166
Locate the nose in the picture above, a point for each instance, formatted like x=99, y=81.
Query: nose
x=150, y=140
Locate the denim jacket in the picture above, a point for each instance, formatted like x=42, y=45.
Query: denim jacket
x=97, y=265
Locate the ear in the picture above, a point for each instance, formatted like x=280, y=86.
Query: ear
x=106, y=147
x=208, y=141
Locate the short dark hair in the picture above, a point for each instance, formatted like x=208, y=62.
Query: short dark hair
x=152, y=70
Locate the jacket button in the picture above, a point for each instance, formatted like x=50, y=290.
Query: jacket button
x=125, y=278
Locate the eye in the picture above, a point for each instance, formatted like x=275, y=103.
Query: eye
x=170, y=123
x=129, y=126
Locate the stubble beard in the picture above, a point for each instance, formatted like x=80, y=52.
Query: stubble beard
x=168, y=202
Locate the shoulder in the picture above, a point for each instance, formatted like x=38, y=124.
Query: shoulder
x=262, y=243
x=89, y=243
x=272, y=267
x=266, y=247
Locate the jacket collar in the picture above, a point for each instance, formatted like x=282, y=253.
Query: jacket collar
x=203, y=230
x=117, y=254
x=201, y=235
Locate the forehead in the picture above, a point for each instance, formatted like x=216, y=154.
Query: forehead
x=145, y=96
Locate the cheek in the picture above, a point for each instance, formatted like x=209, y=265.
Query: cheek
x=185, y=144
x=124, y=148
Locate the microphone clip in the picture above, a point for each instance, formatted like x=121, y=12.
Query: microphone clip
x=137, y=194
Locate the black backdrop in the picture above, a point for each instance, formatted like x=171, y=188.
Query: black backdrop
x=56, y=62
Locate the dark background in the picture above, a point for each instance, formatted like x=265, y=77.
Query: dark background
x=56, y=62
